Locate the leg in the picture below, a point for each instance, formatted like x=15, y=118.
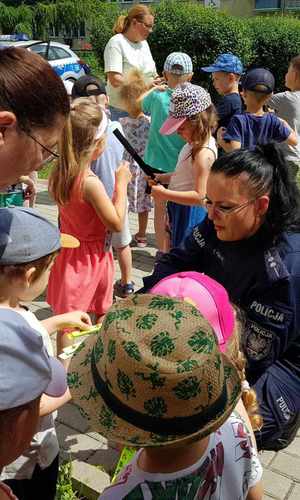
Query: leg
x=125, y=262
x=143, y=221
x=277, y=406
x=121, y=243
x=162, y=241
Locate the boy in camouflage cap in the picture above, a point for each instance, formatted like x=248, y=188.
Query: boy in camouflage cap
x=154, y=378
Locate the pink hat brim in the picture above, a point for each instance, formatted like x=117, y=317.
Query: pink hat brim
x=209, y=296
x=171, y=125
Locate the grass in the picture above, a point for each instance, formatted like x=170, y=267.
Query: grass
x=64, y=485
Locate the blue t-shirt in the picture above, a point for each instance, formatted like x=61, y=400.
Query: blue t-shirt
x=106, y=165
x=251, y=130
x=228, y=106
x=161, y=150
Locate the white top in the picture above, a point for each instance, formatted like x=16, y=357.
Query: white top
x=183, y=178
x=227, y=470
x=120, y=56
x=44, y=445
x=287, y=107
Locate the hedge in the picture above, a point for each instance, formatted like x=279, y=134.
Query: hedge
x=203, y=33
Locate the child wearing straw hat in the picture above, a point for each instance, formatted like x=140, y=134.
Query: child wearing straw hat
x=155, y=379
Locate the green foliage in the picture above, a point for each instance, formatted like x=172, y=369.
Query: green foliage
x=275, y=40
x=64, y=489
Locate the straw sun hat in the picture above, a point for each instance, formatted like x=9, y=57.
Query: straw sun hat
x=154, y=375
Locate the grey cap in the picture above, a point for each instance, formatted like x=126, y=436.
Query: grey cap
x=26, y=369
x=26, y=236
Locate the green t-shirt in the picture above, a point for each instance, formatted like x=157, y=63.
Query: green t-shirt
x=162, y=150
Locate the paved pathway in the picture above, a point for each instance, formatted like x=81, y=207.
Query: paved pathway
x=88, y=449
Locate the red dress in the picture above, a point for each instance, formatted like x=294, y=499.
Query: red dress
x=82, y=278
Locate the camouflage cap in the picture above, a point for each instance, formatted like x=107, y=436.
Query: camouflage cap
x=154, y=375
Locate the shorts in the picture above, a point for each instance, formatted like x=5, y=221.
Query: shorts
x=123, y=238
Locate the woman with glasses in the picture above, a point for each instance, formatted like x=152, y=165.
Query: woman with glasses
x=250, y=243
x=33, y=109
x=128, y=49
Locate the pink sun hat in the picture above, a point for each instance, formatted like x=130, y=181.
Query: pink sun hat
x=210, y=298
x=187, y=101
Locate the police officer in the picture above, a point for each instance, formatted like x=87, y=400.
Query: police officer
x=250, y=243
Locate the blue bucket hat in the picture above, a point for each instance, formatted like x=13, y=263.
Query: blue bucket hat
x=26, y=236
x=229, y=63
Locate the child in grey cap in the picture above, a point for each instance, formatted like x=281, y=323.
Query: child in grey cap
x=29, y=244
x=162, y=151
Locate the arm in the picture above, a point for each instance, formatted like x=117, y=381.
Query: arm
x=201, y=165
x=227, y=145
x=256, y=492
x=292, y=139
x=115, y=79
x=110, y=213
x=188, y=258
x=49, y=405
x=75, y=319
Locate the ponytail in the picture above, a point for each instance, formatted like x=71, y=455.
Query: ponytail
x=76, y=145
x=268, y=174
x=121, y=25
x=136, y=12
x=233, y=351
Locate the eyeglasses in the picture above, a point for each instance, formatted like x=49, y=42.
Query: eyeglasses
x=148, y=26
x=225, y=210
x=51, y=154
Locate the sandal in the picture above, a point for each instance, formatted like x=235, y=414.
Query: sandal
x=140, y=242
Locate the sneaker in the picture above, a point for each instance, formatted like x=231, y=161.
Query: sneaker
x=123, y=291
x=140, y=242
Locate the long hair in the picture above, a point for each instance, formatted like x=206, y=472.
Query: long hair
x=233, y=351
x=136, y=12
x=267, y=173
x=133, y=87
x=75, y=148
x=204, y=124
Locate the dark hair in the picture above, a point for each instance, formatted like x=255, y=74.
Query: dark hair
x=18, y=270
x=268, y=173
x=31, y=89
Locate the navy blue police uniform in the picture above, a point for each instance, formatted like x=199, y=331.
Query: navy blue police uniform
x=263, y=279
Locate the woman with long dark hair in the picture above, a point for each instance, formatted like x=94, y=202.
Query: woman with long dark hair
x=250, y=243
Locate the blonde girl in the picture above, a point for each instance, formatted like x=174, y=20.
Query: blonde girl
x=192, y=116
x=136, y=129
x=82, y=278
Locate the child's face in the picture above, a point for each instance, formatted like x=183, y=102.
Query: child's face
x=34, y=288
x=291, y=78
x=186, y=131
x=222, y=82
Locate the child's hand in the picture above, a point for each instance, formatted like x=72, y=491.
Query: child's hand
x=220, y=134
x=158, y=191
x=30, y=191
x=123, y=173
x=74, y=319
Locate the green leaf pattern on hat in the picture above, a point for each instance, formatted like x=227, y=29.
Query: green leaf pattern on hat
x=132, y=350
x=178, y=316
x=187, y=388
x=153, y=377
x=156, y=407
x=111, y=316
x=146, y=322
x=200, y=342
x=107, y=419
x=162, y=344
x=188, y=365
x=74, y=381
x=93, y=394
x=162, y=303
x=111, y=350
x=125, y=385
x=98, y=349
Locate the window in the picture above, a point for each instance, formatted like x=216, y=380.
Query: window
x=268, y=4
x=59, y=53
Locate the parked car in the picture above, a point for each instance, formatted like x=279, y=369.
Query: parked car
x=63, y=60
